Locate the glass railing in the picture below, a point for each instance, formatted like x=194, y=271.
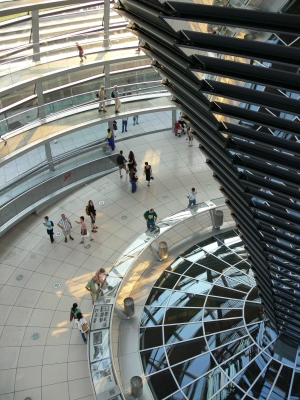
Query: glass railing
x=71, y=104
x=72, y=149
x=199, y=220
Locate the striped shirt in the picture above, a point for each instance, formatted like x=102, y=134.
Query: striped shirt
x=65, y=224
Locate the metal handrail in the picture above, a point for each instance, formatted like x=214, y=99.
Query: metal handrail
x=79, y=105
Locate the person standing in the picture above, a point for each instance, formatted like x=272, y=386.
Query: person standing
x=115, y=95
x=81, y=52
x=124, y=124
x=121, y=163
x=135, y=119
x=192, y=197
x=111, y=139
x=49, y=225
x=74, y=311
x=190, y=138
x=148, y=172
x=82, y=325
x=151, y=217
x=84, y=232
x=115, y=125
x=91, y=287
x=92, y=213
x=102, y=97
x=66, y=226
x=101, y=276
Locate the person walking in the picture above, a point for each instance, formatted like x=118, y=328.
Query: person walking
x=135, y=119
x=82, y=325
x=115, y=95
x=92, y=213
x=148, y=172
x=84, y=232
x=190, y=138
x=74, y=311
x=49, y=225
x=80, y=52
x=124, y=124
x=192, y=197
x=66, y=226
x=131, y=161
x=92, y=288
x=111, y=139
x=133, y=179
x=102, y=97
x=121, y=163
x=151, y=217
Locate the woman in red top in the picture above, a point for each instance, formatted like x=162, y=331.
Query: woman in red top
x=80, y=49
x=84, y=232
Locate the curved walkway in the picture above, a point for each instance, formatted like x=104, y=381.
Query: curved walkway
x=55, y=365
x=79, y=118
x=40, y=71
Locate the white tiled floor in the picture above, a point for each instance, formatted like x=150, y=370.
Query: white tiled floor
x=55, y=365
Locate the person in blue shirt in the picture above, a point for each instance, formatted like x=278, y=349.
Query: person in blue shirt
x=49, y=225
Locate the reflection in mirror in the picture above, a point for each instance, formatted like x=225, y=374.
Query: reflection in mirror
x=176, y=333
x=154, y=360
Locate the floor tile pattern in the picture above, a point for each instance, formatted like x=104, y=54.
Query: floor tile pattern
x=55, y=364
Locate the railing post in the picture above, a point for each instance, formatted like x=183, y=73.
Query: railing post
x=40, y=96
x=106, y=22
x=49, y=156
x=174, y=119
x=35, y=34
x=107, y=78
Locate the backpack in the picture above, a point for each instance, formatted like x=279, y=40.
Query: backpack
x=87, y=210
x=120, y=160
x=52, y=224
x=113, y=94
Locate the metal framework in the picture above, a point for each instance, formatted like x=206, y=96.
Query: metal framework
x=240, y=94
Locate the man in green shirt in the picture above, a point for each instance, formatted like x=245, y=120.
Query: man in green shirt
x=151, y=217
x=91, y=287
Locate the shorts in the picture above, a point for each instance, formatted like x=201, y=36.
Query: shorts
x=122, y=166
x=87, y=235
x=94, y=296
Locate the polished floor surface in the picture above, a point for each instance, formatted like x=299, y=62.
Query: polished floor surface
x=42, y=355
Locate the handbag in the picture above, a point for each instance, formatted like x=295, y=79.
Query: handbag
x=83, y=232
x=151, y=177
x=85, y=327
